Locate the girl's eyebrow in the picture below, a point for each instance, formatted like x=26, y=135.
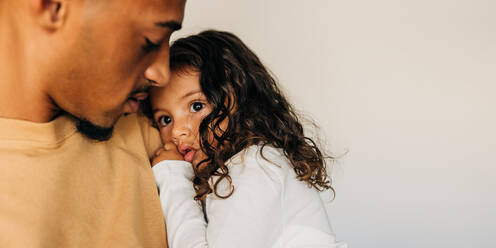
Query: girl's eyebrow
x=154, y=110
x=192, y=93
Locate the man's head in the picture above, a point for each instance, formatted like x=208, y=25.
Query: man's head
x=94, y=59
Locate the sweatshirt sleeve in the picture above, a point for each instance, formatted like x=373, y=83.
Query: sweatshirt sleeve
x=151, y=135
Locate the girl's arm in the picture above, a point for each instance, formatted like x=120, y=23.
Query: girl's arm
x=183, y=216
x=249, y=218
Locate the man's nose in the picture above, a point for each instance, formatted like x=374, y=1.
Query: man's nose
x=158, y=73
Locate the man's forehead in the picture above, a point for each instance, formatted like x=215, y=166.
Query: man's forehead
x=167, y=10
x=160, y=11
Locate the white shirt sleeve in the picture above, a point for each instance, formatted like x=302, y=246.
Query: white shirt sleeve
x=253, y=216
x=248, y=218
x=183, y=216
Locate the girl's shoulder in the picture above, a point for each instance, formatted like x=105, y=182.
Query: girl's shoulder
x=260, y=154
x=267, y=160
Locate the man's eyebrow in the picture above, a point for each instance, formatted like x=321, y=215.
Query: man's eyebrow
x=173, y=25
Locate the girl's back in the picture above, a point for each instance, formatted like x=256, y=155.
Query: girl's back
x=271, y=204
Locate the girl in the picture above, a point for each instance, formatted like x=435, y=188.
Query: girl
x=236, y=169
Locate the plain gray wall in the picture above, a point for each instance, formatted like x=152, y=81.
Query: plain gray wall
x=407, y=87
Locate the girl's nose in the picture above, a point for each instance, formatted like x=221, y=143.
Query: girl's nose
x=180, y=131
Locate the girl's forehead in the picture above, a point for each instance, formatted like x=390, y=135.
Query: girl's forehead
x=179, y=86
x=182, y=83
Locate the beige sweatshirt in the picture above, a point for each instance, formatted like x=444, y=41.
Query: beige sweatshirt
x=60, y=189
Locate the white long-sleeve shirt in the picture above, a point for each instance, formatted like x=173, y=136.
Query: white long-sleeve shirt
x=269, y=207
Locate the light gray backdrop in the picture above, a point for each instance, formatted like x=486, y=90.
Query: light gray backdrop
x=408, y=87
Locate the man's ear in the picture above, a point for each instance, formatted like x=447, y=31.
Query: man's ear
x=50, y=14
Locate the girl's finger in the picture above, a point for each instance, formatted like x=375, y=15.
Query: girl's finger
x=169, y=146
x=160, y=150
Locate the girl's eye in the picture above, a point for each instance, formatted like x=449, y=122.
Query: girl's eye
x=150, y=46
x=196, y=106
x=163, y=120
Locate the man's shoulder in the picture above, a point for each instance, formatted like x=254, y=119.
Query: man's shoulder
x=135, y=131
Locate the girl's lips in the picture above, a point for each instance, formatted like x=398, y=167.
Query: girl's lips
x=187, y=151
x=189, y=155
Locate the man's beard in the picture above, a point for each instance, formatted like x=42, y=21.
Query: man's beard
x=93, y=131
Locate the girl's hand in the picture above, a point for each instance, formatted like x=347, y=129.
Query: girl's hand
x=167, y=152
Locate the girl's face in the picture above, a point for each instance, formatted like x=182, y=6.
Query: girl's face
x=178, y=109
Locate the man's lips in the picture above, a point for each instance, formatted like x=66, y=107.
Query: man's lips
x=131, y=106
x=132, y=103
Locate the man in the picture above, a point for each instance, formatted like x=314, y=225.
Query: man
x=71, y=174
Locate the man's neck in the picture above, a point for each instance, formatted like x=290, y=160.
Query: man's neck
x=21, y=93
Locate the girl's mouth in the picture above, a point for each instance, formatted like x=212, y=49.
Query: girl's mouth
x=189, y=154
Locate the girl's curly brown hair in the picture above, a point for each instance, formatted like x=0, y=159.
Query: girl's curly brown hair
x=242, y=92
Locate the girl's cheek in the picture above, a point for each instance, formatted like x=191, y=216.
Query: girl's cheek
x=164, y=136
x=196, y=128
